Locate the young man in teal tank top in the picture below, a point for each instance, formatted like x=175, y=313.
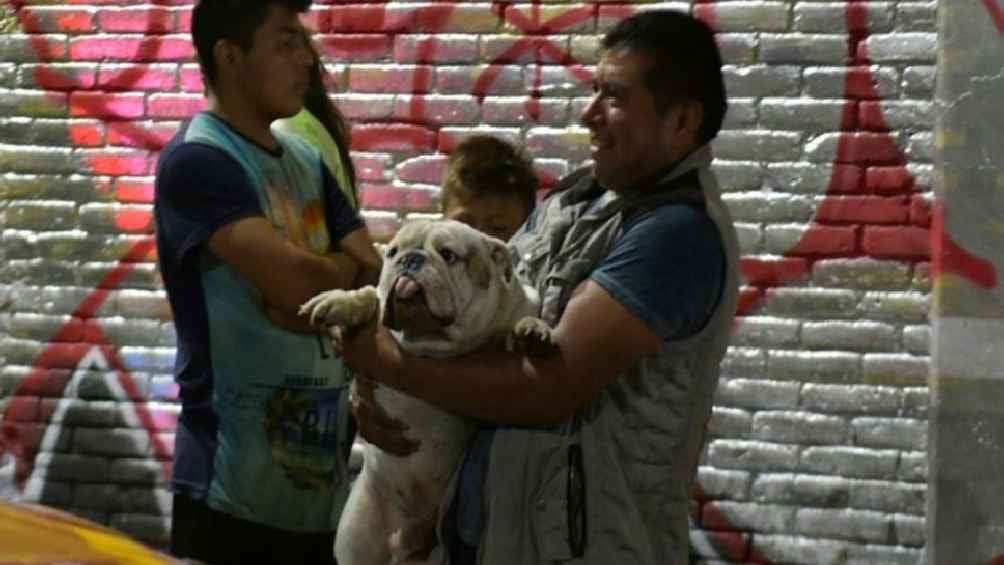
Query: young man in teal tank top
x=251, y=224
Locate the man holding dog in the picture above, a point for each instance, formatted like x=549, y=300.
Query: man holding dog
x=595, y=447
x=250, y=224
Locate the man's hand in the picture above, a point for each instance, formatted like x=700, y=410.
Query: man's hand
x=375, y=425
x=372, y=350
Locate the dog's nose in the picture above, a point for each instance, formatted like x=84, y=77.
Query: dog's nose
x=412, y=262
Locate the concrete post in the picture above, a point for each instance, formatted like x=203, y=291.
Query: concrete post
x=965, y=505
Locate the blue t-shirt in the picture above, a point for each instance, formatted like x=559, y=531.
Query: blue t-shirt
x=667, y=267
x=262, y=434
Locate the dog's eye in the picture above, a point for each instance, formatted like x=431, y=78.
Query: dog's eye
x=449, y=256
x=391, y=252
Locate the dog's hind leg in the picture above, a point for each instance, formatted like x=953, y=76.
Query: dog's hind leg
x=363, y=536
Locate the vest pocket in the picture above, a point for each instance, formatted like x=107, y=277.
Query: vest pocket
x=559, y=513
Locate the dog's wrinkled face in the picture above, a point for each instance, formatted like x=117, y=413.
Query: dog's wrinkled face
x=443, y=284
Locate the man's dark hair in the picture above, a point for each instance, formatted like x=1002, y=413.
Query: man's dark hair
x=483, y=165
x=686, y=64
x=233, y=20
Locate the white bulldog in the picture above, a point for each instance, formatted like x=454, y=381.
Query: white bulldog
x=445, y=289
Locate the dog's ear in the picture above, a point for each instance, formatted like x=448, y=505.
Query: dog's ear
x=495, y=252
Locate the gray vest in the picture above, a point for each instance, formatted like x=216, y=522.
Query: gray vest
x=611, y=484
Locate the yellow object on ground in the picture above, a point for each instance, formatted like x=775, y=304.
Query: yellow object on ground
x=31, y=534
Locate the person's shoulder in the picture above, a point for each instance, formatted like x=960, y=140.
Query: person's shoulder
x=677, y=222
x=186, y=153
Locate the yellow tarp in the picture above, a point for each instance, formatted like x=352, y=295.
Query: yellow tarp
x=35, y=534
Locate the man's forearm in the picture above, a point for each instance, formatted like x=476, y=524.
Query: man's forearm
x=506, y=388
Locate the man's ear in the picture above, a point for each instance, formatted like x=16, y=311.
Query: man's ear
x=683, y=124
x=227, y=55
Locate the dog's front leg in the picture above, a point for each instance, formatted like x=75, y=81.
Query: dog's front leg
x=344, y=308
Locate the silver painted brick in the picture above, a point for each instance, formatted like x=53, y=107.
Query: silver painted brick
x=755, y=517
x=113, y=442
x=780, y=238
x=744, y=362
x=920, y=147
x=762, y=80
x=832, y=16
x=742, y=114
x=804, y=178
x=849, y=336
x=768, y=206
x=757, y=145
x=100, y=497
x=895, y=433
x=129, y=331
x=728, y=423
x=912, y=466
x=886, y=555
x=863, y=273
x=766, y=331
x=902, y=47
x=799, y=490
x=909, y=530
x=734, y=176
x=890, y=497
x=814, y=366
x=751, y=16
x=750, y=237
x=752, y=455
x=811, y=303
x=917, y=16
x=850, y=399
x=146, y=500
x=808, y=115
x=853, y=525
x=800, y=428
x=902, y=307
x=153, y=304
x=803, y=48
x=738, y=48
x=23, y=48
x=907, y=115
x=45, y=490
x=831, y=82
x=792, y=549
x=7, y=75
x=850, y=462
x=585, y=49
x=918, y=81
x=71, y=466
x=136, y=471
x=720, y=483
x=37, y=327
x=896, y=368
x=757, y=394
x=916, y=402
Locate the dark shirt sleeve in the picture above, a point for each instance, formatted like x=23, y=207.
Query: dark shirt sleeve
x=341, y=217
x=199, y=189
x=667, y=268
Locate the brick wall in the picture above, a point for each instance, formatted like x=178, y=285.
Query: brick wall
x=818, y=439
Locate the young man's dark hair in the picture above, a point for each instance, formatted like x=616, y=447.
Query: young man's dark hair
x=686, y=62
x=232, y=20
x=487, y=166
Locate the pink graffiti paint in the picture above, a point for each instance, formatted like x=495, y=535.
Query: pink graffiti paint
x=996, y=10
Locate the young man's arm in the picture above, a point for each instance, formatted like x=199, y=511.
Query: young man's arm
x=598, y=340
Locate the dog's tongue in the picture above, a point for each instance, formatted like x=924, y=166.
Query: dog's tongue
x=406, y=288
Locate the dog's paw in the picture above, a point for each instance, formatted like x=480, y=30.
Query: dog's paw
x=345, y=308
x=532, y=336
